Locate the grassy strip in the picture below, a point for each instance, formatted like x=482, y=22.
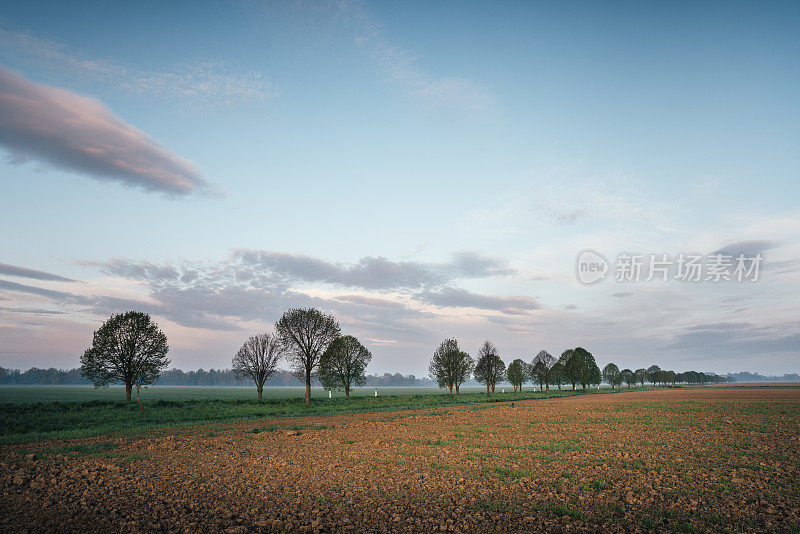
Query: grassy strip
x=22, y=423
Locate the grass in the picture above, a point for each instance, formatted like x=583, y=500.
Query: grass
x=24, y=421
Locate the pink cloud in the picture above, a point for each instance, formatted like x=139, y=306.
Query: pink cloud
x=80, y=134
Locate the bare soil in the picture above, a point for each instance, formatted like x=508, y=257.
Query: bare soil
x=707, y=459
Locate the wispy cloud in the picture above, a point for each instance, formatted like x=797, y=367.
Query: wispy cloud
x=24, y=272
x=461, y=298
x=80, y=134
x=207, y=81
x=400, y=67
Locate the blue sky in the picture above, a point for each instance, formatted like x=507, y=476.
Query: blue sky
x=422, y=171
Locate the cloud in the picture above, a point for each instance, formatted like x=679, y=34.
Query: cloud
x=208, y=81
x=32, y=290
x=24, y=272
x=748, y=248
x=400, y=67
x=621, y=294
x=32, y=311
x=571, y=217
x=737, y=339
x=451, y=297
x=80, y=134
x=266, y=268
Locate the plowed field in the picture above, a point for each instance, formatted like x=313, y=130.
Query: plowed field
x=708, y=459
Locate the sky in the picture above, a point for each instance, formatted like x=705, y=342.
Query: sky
x=420, y=170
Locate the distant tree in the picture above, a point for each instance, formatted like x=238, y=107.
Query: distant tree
x=653, y=374
x=490, y=369
x=448, y=365
x=542, y=368
x=130, y=349
x=343, y=364
x=516, y=374
x=558, y=374
x=582, y=369
x=257, y=359
x=612, y=376
x=305, y=334
x=641, y=375
x=629, y=377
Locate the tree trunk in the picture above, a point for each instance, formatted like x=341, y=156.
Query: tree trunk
x=451, y=391
x=548, y=389
x=584, y=387
x=347, y=391
x=492, y=388
x=141, y=410
x=128, y=390
x=457, y=387
x=260, y=392
x=308, y=387
x=487, y=390
x=573, y=387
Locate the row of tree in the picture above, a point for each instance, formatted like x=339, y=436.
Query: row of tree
x=451, y=367
x=130, y=349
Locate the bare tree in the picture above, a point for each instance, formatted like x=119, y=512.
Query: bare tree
x=306, y=333
x=128, y=348
x=257, y=359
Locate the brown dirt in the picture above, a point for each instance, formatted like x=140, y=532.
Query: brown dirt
x=710, y=459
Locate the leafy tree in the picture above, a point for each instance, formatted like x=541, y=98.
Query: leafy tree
x=257, y=359
x=629, y=377
x=343, y=364
x=516, y=374
x=465, y=366
x=611, y=374
x=568, y=375
x=542, y=368
x=595, y=376
x=450, y=366
x=306, y=333
x=653, y=373
x=671, y=377
x=558, y=374
x=129, y=348
x=641, y=376
x=490, y=369
x=581, y=368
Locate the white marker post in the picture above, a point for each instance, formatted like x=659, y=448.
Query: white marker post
x=376, y=392
x=330, y=394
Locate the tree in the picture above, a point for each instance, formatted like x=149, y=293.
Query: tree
x=558, y=374
x=653, y=373
x=641, y=375
x=343, y=364
x=450, y=366
x=257, y=359
x=611, y=374
x=465, y=366
x=542, y=368
x=563, y=361
x=629, y=377
x=581, y=368
x=516, y=374
x=490, y=369
x=306, y=333
x=129, y=348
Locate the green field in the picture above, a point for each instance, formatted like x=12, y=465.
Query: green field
x=30, y=413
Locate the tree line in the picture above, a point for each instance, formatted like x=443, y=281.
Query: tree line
x=130, y=349
x=201, y=377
